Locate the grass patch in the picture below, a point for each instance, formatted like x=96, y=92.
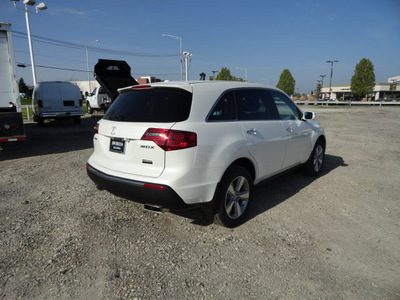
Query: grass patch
x=26, y=101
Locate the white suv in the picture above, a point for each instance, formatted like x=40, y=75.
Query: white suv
x=181, y=144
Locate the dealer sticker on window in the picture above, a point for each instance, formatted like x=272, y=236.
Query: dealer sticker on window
x=117, y=145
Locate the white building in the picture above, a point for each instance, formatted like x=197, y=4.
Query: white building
x=382, y=91
x=84, y=85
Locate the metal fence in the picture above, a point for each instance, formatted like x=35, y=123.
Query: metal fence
x=348, y=103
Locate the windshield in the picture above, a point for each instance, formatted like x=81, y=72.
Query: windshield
x=161, y=105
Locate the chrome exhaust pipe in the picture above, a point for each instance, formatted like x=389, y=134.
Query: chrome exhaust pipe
x=154, y=208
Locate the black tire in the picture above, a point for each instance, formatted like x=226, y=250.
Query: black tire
x=316, y=160
x=234, y=196
x=89, y=108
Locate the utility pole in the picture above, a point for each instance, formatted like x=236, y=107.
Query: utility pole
x=87, y=62
x=187, y=54
x=330, y=85
x=322, y=82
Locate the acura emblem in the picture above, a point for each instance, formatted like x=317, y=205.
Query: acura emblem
x=113, y=130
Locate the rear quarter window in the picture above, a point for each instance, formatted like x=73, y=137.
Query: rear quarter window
x=160, y=105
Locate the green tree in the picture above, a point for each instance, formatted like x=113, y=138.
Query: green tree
x=225, y=74
x=286, y=82
x=23, y=88
x=363, y=80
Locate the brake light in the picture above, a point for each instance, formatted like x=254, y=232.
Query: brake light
x=80, y=102
x=141, y=87
x=170, y=140
x=40, y=103
x=96, y=129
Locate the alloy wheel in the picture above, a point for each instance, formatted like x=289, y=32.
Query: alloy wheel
x=237, y=197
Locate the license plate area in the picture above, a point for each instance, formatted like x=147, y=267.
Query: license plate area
x=117, y=145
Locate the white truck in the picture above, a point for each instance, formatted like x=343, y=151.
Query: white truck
x=97, y=100
x=11, y=122
x=111, y=75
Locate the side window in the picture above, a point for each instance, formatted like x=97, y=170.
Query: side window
x=224, y=110
x=286, y=108
x=94, y=91
x=254, y=104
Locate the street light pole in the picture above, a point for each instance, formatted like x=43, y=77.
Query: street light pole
x=87, y=62
x=187, y=54
x=180, y=49
x=40, y=6
x=214, y=72
x=330, y=85
x=28, y=28
x=322, y=82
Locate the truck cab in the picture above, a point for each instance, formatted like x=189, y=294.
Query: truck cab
x=98, y=100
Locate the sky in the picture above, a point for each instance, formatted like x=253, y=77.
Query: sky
x=259, y=38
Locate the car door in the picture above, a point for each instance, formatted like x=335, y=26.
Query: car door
x=51, y=97
x=297, y=131
x=262, y=130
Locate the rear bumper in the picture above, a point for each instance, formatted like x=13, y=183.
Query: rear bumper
x=11, y=127
x=62, y=114
x=137, y=191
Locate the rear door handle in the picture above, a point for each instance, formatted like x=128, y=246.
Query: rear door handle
x=290, y=129
x=252, y=131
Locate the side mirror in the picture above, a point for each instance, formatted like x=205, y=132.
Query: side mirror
x=308, y=115
x=86, y=94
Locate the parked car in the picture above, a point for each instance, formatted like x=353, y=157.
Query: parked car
x=183, y=144
x=97, y=100
x=57, y=100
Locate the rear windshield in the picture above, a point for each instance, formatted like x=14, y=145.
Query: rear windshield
x=161, y=105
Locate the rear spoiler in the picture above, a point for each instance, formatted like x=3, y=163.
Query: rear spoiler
x=112, y=75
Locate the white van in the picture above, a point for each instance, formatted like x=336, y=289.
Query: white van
x=57, y=100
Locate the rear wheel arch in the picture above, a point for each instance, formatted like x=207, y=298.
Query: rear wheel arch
x=245, y=163
x=241, y=162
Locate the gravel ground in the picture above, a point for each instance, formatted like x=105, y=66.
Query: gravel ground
x=332, y=237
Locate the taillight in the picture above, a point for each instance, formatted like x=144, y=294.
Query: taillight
x=170, y=140
x=96, y=129
x=80, y=102
x=40, y=103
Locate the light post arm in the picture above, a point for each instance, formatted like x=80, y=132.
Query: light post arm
x=180, y=49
